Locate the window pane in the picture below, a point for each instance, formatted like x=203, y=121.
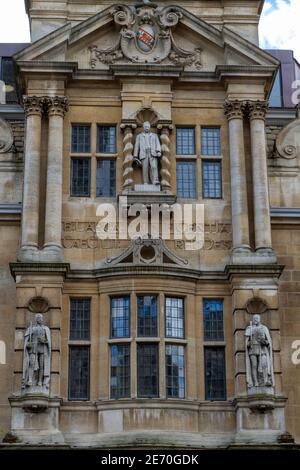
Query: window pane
x=80, y=319
x=120, y=371
x=210, y=141
x=147, y=316
x=275, y=100
x=185, y=141
x=213, y=320
x=106, y=139
x=175, y=371
x=186, y=179
x=79, y=372
x=215, y=379
x=212, y=179
x=80, y=183
x=81, y=138
x=106, y=178
x=120, y=317
x=174, y=317
x=147, y=370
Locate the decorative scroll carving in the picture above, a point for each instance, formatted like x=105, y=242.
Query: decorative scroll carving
x=165, y=171
x=287, y=144
x=37, y=357
x=56, y=106
x=259, y=355
x=257, y=109
x=6, y=137
x=128, y=155
x=146, y=38
x=33, y=105
x=234, y=109
x=147, y=252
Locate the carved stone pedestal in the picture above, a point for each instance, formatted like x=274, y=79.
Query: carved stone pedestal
x=259, y=419
x=35, y=419
x=148, y=198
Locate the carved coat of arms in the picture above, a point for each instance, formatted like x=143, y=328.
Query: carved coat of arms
x=146, y=37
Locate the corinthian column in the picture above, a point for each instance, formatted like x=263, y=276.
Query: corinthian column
x=33, y=107
x=262, y=220
x=56, y=108
x=234, y=111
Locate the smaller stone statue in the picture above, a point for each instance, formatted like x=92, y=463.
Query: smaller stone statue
x=147, y=151
x=37, y=357
x=259, y=355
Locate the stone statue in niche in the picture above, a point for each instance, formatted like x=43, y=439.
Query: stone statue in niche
x=37, y=357
x=259, y=355
x=147, y=152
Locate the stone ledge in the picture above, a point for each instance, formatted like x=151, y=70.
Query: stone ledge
x=40, y=268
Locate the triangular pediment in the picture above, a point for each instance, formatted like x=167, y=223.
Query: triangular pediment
x=145, y=35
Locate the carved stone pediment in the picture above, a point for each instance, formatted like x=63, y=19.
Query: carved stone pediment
x=147, y=252
x=146, y=38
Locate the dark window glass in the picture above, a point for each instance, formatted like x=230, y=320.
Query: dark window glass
x=106, y=178
x=80, y=183
x=79, y=372
x=175, y=371
x=186, y=179
x=210, y=141
x=185, y=141
x=215, y=378
x=174, y=317
x=81, y=138
x=8, y=77
x=275, y=100
x=120, y=371
x=80, y=319
x=120, y=317
x=106, y=139
x=147, y=370
x=213, y=320
x=212, y=179
x=147, y=316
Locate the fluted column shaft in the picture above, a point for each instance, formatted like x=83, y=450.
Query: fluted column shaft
x=262, y=220
x=56, y=108
x=33, y=107
x=240, y=219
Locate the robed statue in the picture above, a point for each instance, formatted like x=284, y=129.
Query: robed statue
x=259, y=355
x=37, y=356
x=147, y=152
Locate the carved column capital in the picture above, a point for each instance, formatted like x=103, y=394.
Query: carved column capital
x=234, y=109
x=257, y=109
x=33, y=105
x=57, y=105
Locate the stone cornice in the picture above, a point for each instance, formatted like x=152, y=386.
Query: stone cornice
x=39, y=268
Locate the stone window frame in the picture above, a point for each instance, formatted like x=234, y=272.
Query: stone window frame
x=79, y=343
x=93, y=156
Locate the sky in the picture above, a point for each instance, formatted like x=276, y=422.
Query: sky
x=279, y=27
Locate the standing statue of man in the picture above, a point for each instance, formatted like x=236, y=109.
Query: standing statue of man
x=147, y=151
x=37, y=355
x=259, y=355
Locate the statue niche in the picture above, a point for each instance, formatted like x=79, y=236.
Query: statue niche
x=37, y=357
x=147, y=152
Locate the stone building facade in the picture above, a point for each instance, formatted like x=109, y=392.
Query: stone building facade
x=147, y=342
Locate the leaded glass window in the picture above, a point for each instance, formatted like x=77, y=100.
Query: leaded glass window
x=215, y=377
x=120, y=317
x=174, y=317
x=213, y=320
x=147, y=315
x=120, y=371
x=212, y=179
x=80, y=319
x=81, y=138
x=80, y=177
x=79, y=372
x=175, y=371
x=211, y=141
x=106, y=178
x=186, y=179
x=185, y=141
x=147, y=370
x=106, y=139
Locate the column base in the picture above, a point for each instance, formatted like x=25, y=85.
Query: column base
x=52, y=253
x=244, y=255
x=49, y=254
